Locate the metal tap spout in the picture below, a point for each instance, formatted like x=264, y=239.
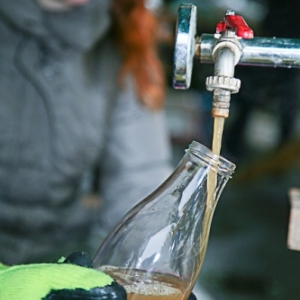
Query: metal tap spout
x=224, y=50
x=226, y=54
x=232, y=44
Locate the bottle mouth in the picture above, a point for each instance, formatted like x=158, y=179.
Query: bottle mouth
x=217, y=162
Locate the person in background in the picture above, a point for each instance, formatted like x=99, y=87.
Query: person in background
x=81, y=89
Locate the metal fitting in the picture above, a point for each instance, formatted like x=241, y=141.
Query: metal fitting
x=223, y=82
x=226, y=54
x=228, y=40
x=221, y=103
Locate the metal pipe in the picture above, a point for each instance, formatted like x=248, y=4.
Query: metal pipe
x=259, y=51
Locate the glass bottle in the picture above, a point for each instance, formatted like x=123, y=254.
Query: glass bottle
x=158, y=248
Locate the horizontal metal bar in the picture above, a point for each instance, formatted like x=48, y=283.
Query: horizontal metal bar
x=259, y=51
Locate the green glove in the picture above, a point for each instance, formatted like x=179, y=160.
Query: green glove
x=71, y=279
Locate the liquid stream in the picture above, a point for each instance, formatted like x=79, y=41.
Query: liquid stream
x=211, y=188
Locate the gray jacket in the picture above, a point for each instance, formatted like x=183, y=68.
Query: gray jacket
x=61, y=115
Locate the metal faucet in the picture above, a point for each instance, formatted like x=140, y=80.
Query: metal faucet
x=232, y=44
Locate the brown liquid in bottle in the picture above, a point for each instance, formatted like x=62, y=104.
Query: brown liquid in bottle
x=139, y=286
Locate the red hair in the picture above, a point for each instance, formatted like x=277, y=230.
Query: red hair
x=135, y=33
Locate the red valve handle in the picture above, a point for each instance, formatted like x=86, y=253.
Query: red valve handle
x=238, y=24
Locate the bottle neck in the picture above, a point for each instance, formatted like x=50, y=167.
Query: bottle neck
x=217, y=163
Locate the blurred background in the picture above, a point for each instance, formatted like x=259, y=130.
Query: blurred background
x=247, y=256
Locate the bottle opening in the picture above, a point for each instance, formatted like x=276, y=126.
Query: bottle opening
x=220, y=164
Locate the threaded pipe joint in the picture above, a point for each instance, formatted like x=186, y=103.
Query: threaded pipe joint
x=221, y=103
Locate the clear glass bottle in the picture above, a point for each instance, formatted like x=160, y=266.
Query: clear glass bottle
x=158, y=248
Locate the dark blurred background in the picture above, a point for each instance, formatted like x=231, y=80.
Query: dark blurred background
x=247, y=256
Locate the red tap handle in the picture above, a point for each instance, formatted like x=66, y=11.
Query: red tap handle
x=238, y=24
